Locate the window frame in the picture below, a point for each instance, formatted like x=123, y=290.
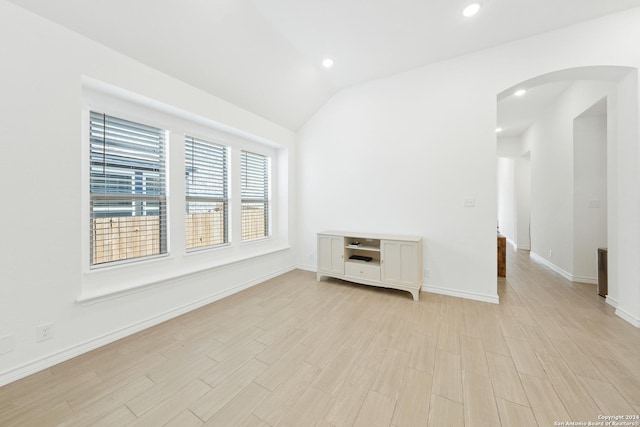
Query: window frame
x=128, y=170
x=249, y=199
x=105, y=281
x=225, y=199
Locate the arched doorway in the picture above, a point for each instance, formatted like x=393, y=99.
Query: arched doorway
x=576, y=130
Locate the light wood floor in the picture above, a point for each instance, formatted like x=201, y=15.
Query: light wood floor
x=295, y=352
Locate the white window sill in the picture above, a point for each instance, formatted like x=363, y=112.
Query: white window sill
x=90, y=296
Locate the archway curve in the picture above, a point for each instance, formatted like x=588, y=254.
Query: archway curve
x=608, y=73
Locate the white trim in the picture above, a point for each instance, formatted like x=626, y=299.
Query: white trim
x=611, y=301
x=494, y=299
x=589, y=280
x=311, y=268
x=625, y=315
x=540, y=260
x=76, y=350
x=88, y=297
x=113, y=91
x=524, y=248
x=570, y=277
x=513, y=244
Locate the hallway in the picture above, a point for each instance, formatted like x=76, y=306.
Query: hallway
x=587, y=360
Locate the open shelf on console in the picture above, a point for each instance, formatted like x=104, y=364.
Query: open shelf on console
x=363, y=247
x=362, y=244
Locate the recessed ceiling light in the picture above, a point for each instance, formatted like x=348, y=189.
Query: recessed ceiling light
x=519, y=92
x=327, y=63
x=498, y=130
x=471, y=10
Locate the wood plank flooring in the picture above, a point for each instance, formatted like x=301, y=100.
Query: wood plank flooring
x=295, y=352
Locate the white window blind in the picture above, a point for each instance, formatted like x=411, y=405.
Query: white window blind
x=206, y=178
x=127, y=189
x=254, y=171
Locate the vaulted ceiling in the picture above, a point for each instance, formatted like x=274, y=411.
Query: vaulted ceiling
x=265, y=55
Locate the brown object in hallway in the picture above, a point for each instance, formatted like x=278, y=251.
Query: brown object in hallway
x=502, y=256
x=603, y=288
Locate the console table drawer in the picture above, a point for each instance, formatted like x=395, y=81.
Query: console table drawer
x=362, y=270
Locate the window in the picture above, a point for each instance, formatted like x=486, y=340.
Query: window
x=254, y=175
x=127, y=190
x=206, y=193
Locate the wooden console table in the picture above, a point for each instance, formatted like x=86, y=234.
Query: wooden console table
x=502, y=256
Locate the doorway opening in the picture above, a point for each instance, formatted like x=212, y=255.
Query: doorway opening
x=560, y=146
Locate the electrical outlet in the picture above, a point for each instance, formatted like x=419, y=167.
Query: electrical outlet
x=427, y=273
x=44, y=332
x=550, y=253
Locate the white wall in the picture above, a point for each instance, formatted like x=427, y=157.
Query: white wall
x=551, y=140
x=623, y=233
x=511, y=148
x=507, y=198
x=523, y=200
x=381, y=158
x=41, y=272
x=590, y=194
x=401, y=153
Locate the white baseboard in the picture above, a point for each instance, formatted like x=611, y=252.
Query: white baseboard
x=581, y=279
x=540, y=260
x=625, y=315
x=635, y=321
x=311, y=268
x=524, y=248
x=494, y=299
x=76, y=350
x=570, y=277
